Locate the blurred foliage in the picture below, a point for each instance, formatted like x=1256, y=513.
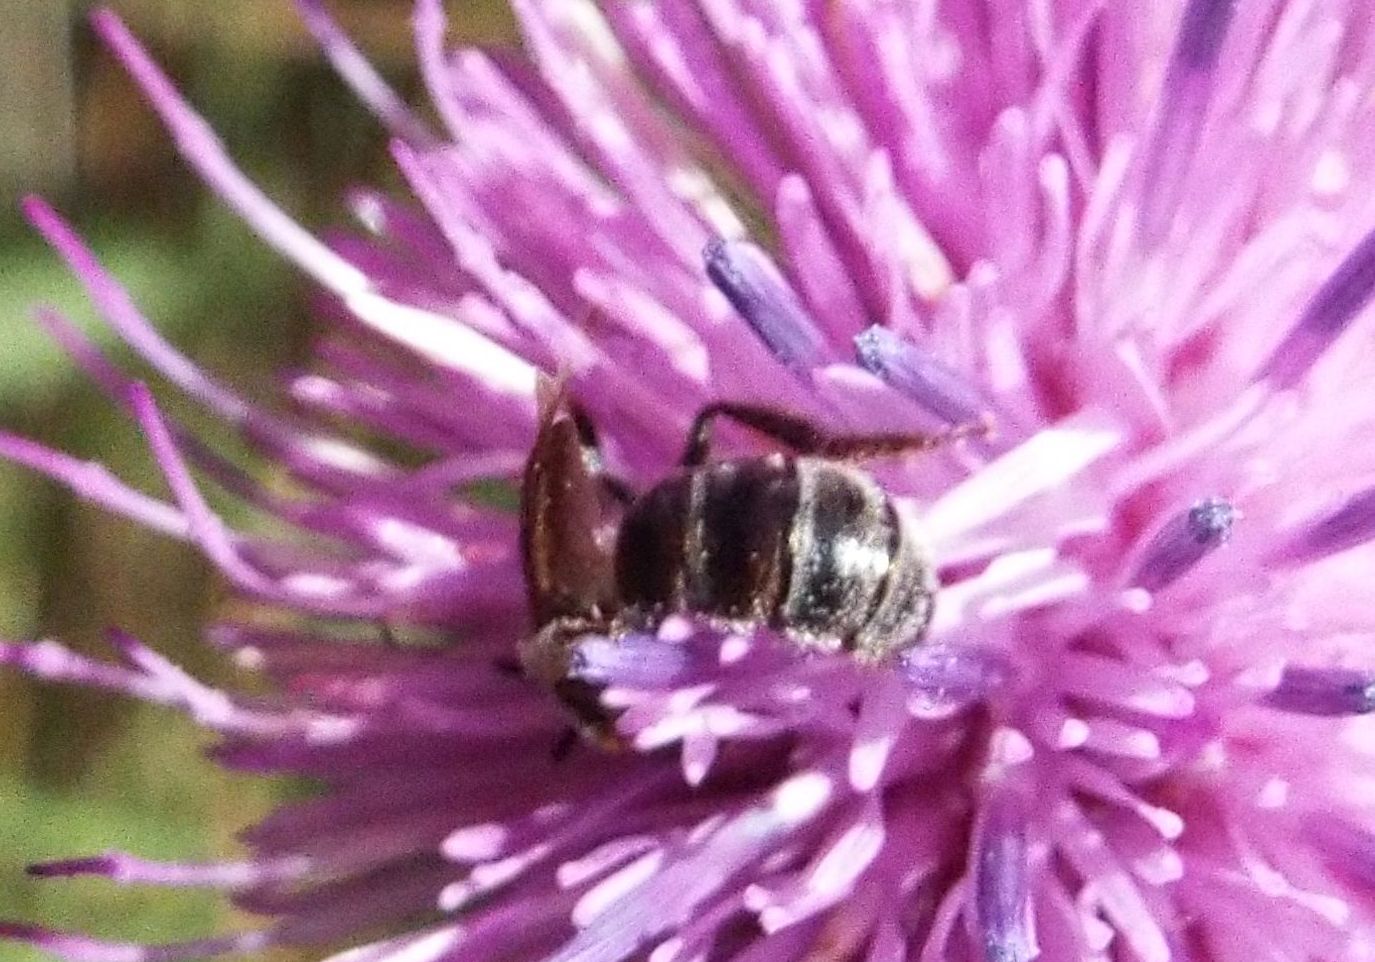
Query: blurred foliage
x=82, y=772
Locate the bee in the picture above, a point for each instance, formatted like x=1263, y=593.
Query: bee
x=803, y=542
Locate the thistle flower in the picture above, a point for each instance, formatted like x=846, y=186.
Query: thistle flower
x=1129, y=233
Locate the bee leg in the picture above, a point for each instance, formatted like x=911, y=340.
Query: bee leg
x=548, y=657
x=566, y=545
x=806, y=438
x=617, y=489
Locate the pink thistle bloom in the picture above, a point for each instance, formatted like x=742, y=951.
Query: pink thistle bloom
x=1139, y=728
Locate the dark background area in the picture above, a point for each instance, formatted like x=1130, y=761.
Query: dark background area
x=80, y=771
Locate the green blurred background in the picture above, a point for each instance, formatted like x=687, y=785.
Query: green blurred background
x=81, y=772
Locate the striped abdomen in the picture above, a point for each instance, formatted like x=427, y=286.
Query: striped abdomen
x=806, y=546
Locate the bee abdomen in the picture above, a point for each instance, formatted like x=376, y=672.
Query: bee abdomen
x=713, y=541
x=738, y=552
x=842, y=544
x=811, y=548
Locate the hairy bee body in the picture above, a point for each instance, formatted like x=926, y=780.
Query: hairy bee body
x=804, y=543
x=807, y=546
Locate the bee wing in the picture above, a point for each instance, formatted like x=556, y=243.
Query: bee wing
x=569, y=569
